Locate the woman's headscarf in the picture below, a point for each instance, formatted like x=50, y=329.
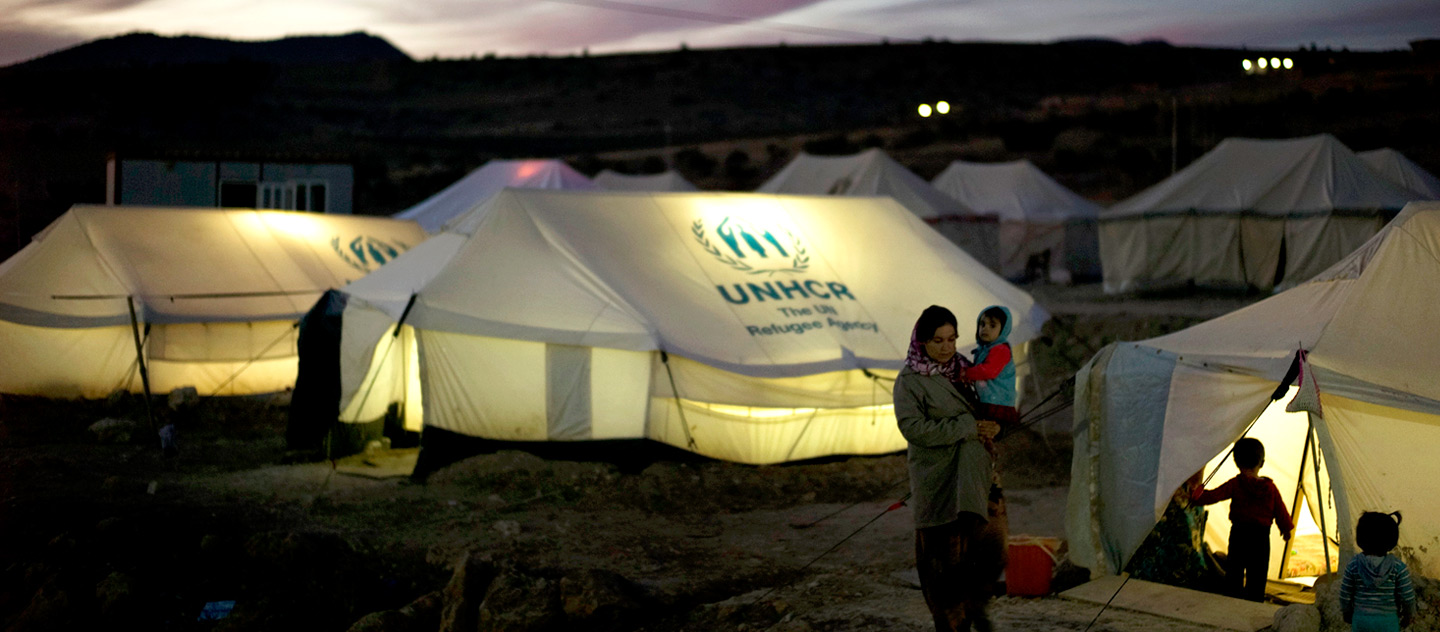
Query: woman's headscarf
x=921, y=362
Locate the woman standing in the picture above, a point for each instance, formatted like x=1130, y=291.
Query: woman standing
x=959, y=532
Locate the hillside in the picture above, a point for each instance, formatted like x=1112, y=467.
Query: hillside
x=150, y=50
x=1097, y=115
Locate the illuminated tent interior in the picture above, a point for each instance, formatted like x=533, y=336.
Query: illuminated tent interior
x=211, y=295
x=745, y=327
x=667, y=181
x=1038, y=216
x=1149, y=414
x=1401, y=170
x=872, y=173
x=1263, y=214
x=477, y=186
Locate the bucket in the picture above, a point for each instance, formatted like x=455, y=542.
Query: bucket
x=1031, y=566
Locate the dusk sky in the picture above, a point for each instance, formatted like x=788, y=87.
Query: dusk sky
x=461, y=28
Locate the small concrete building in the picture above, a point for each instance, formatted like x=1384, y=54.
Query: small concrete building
x=321, y=187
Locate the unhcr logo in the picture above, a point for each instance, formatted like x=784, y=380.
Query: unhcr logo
x=753, y=249
x=367, y=253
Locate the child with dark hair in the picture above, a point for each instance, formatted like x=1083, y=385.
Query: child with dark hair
x=993, y=370
x=1254, y=503
x=1375, y=592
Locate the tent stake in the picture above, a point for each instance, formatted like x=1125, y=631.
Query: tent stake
x=140, y=358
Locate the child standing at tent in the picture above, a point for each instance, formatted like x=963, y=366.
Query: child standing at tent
x=1375, y=592
x=993, y=371
x=1254, y=503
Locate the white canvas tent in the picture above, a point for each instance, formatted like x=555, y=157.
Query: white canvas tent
x=1244, y=211
x=1149, y=414
x=477, y=186
x=1401, y=170
x=872, y=173
x=217, y=290
x=740, y=326
x=1037, y=216
x=667, y=181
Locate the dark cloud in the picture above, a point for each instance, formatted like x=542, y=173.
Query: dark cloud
x=18, y=43
x=1378, y=25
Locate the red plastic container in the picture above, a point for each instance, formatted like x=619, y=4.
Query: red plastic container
x=1031, y=566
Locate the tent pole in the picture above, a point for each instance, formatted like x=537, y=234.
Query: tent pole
x=1324, y=532
x=684, y=425
x=140, y=358
x=1295, y=504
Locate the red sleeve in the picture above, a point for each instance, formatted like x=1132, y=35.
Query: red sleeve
x=990, y=369
x=1212, y=496
x=1282, y=515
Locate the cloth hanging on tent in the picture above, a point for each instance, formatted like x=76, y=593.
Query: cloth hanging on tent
x=1308, y=398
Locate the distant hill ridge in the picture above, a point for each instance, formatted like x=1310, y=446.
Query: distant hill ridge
x=149, y=49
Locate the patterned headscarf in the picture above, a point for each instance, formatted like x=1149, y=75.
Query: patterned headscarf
x=921, y=362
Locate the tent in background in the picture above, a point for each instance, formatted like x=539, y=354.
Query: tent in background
x=872, y=173
x=1249, y=214
x=668, y=181
x=1401, y=170
x=752, y=328
x=214, y=292
x=1040, y=219
x=1149, y=414
x=479, y=185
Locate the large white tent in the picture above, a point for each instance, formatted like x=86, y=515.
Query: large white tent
x=1244, y=211
x=213, y=293
x=871, y=173
x=1403, y=171
x=1149, y=414
x=1038, y=216
x=753, y=328
x=666, y=181
x=477, y=186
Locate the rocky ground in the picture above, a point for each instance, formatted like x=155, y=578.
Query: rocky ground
x=110, y=534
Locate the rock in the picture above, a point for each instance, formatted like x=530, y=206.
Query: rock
x=385, y=621
x=594, y=598
x=110, y=430
x=50, y=609
x=115, y=595
x=461, y=597
x=520, y=602
x=425, y=611
x=1297, y=618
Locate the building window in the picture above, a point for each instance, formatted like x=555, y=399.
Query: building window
x=238, y=194
x=294, y=195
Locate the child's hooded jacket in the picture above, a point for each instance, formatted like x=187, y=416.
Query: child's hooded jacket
x=995, y=379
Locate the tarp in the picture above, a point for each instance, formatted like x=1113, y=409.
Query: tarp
x=1038, y=216
x=667, y=181
x=1401, y=170
x=217, y=290
x=1232, y=217
x=550, y=315
x=1149, y=414
x=872, y=173
x=477, y=186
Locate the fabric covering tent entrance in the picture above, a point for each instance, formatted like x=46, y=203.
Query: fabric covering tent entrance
x=477, y=186
x=1038, y=217
x=1248, y=214
x=214, y=293
x=1149, y=414
x=871, y=173
x=751, y=328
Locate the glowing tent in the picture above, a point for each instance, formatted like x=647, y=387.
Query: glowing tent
x=1401, y=170
x=668, y=181
x=872, y=173
x=1149, y=414
x=1248, y=214
x=212, y=295
x=1039, y=217
x=752, y=328
x=477, y=186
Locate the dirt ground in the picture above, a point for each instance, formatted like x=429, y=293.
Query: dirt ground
x=110, y=533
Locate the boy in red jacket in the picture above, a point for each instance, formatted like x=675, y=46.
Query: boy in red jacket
x=1254, y=502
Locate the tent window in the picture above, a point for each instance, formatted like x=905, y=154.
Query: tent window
x=238, y=194
x=317, y=198
x=302, y=197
